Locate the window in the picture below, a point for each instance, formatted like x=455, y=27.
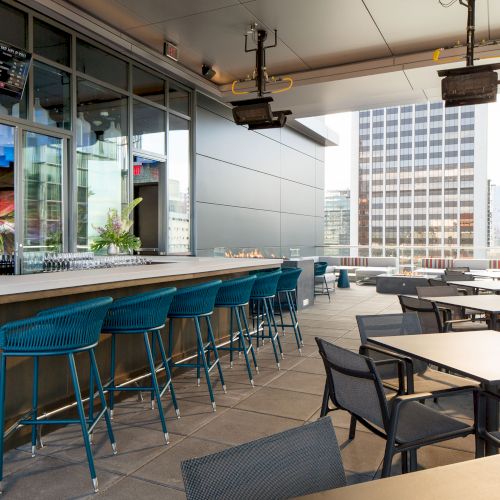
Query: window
x=51, y=43
x=179, y=185
x=99, y=64
x=102, y=158
x=178, y=99
x=149, y=128
x=149, y=86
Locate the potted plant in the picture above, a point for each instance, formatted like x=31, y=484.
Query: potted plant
x=115, y=235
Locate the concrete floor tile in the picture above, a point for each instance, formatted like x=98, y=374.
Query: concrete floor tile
x=309, y=383
x=131, y=488
x=310, y=365
x=165, y=469
x=240, y=426
x=282, y=403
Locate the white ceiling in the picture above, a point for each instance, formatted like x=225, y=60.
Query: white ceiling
x=343, y=54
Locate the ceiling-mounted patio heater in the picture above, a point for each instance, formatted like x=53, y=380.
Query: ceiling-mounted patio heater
x=257, y=113
x=472, y=84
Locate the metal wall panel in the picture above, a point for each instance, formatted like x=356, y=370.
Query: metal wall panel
x=297, y=230
x=297, y=198
x=297, y=166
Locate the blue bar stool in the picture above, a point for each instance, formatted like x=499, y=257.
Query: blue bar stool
x=235, y=295
x=141, y=315
x=198, y=302
x=262, y=298
x=287, y=286
x=320, y=278
x=62, y=331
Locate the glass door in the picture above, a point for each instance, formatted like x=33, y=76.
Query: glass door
x=42, y=192
x=7, y=205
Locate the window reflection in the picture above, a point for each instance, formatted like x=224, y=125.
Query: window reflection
x=102, y=165
x=7, y=227
x=149, y=128
x=149, y=86
x=178, y=99
x=51, y=42
x=179, y=179
x=51, y=105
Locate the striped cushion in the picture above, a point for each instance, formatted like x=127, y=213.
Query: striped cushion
x=354, y=261
x=435, y=263
x=494, y=264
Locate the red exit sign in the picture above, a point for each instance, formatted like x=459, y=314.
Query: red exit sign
x=171, y=50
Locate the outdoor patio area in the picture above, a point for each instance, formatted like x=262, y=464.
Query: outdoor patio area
x=147, y=468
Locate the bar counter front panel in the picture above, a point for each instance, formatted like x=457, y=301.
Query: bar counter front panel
x=24, y=296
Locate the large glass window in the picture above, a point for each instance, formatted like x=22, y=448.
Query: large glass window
x=51, y=43
x=178, y=99
x=149, y=128
x=179, y=180
x=7, y=223
x=12, y=26
x=99, y=64
x=149, y=86
x=42, y=180
x=102, y=165
x=51, y=105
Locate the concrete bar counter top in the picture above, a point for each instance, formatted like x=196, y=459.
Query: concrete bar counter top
x=26, y=295
x=163, y=270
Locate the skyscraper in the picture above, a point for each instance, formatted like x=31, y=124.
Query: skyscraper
x=337, y=219
x=421, y=181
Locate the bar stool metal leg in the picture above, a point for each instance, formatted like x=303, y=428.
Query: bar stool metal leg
x=154, y=381
x=34, y=405
x=231, y=337
x=249, y=337
x=213, y=348
x=201, y=350
x=83, y=422
x=112, y=374
x=168, y=374
x=273, y=342
x=244, y=346
x=270, y=310
x=3, y=373
x=95, y=373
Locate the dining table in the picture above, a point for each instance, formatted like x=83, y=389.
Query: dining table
x=474, y=354
x=469, y=480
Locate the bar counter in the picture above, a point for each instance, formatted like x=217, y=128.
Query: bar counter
x=23, y=296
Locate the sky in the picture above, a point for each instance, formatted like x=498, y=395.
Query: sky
x=338, y=158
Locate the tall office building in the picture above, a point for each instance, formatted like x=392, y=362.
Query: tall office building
x=337, y=219
x=421, y=178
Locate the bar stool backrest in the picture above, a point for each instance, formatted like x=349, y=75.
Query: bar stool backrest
x=288, y=279
x=235, y=292
x=292, y=463
x=320, y=268
x=65, y=328
x=141, y=312
x=194, y=300
x=266, y=284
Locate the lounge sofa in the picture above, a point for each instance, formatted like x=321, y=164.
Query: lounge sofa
x=364, y=269
x=435, y=265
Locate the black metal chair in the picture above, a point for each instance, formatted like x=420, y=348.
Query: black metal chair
x=419, y=376
x=429, y=316
x=457, y=276
x=459, y=269
x=435, y=282
x=292, y=463
x=353, y=385
x=455, y=318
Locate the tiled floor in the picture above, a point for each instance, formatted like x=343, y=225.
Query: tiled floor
x=147, y=468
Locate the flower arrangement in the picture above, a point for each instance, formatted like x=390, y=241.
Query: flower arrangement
x=116, y=232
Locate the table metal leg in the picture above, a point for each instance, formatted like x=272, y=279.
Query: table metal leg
x=491, y=417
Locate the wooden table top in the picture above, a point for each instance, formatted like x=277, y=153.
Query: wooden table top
x=474, y=354
x=475, y=479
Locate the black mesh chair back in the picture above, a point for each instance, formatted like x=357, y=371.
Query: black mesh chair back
x=457, y=276
x=459, y=269
x=436, y=282
x=437, y=291
x=292, y=463
x=428, y=313
x=354, y=384
x=388, y=325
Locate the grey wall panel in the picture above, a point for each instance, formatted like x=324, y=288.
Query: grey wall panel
x=319, y=196
x=297, y=166
x=297, y=230
x=227, y=184
x=236, y=227
x=297, y=198
x=297, y=141
x=319, y=230
x=320, y=152
x=214, y=106
x=320, y=174
x=219, y=138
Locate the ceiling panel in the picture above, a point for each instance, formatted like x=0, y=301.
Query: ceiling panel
x=217, y=38
x=323, y=32
x=348, y=95
x=111, y=12
x=164, y=10
x=417, y=25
